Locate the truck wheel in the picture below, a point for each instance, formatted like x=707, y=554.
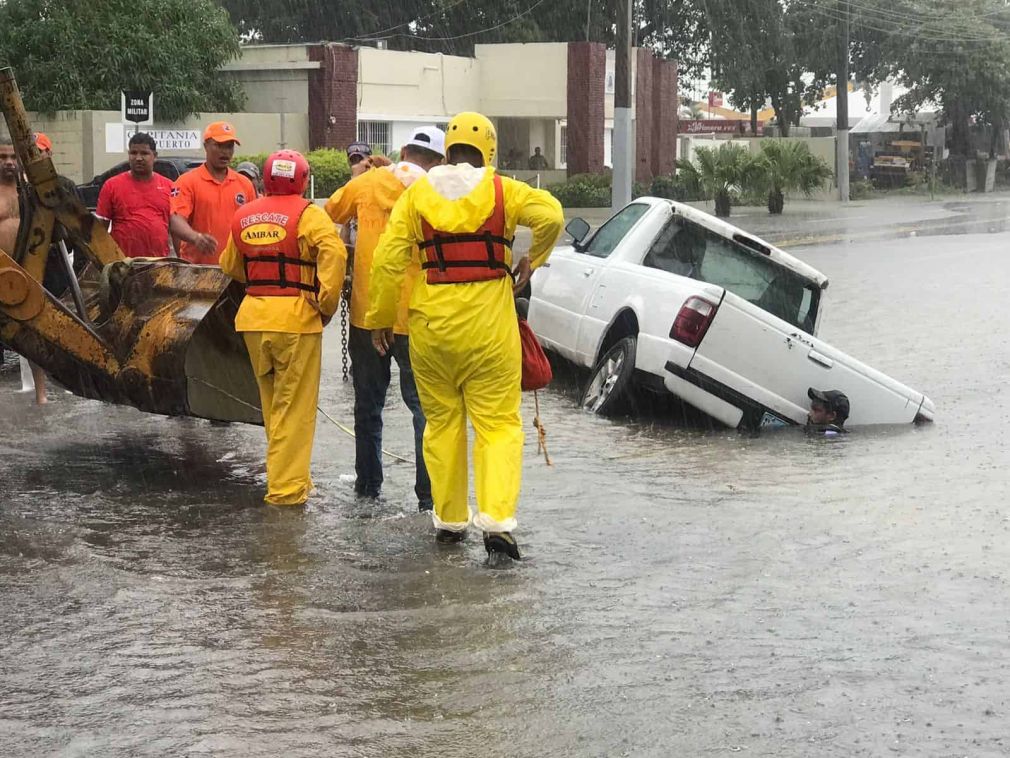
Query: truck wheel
x=609, y=388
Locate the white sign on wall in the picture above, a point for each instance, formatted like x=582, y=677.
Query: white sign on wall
x=117, y=138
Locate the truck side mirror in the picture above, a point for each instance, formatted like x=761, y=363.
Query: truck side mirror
x=578, y=229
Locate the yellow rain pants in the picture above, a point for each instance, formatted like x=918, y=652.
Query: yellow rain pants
x=464, y=342
x=287, y=370
x=283, y=336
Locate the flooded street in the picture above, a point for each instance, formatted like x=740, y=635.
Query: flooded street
x=688, y=591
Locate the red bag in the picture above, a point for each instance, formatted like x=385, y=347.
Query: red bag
x=537, y=372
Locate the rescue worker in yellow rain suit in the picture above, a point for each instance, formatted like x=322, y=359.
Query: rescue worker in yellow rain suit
x=464, y=338
x=287, y=252
x=369, y=198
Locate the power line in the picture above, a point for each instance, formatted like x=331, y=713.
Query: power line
x=515, y=18
x=377, y=35
x=833, y=13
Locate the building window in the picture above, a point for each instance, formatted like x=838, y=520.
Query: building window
x=376, y=134
x=563, y=151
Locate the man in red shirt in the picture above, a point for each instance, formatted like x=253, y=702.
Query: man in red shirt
x=136, y=203
x=205, y=199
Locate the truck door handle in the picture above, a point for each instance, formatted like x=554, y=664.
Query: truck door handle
x=822, y=360
x=587, y=272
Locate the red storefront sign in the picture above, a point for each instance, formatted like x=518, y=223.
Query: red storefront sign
x=716, y=126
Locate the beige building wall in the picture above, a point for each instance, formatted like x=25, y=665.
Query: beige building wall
x=523, y=80
x=258, y=132
x=66, y=130
x=394, y=85
x=86, y=143
x=275, y=78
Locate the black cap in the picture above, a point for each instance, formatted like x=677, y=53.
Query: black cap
x=359, y=148
x=835, y=401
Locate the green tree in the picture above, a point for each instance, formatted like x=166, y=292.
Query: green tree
x=788, y=166
x=771, y=50
x=721, y=173
x=76, y=55
x=674, y=29
x=952, y=55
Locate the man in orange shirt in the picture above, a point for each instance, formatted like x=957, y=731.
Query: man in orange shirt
x=205, y=199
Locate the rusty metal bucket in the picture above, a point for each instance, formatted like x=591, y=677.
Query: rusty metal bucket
x=159, y=336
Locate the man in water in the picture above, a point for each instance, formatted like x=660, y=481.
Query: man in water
x=829, y=410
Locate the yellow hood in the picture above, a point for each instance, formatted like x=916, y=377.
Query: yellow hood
x=455, y=198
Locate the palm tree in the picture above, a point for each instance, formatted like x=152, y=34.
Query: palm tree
x=719, y=173
x=788, y=166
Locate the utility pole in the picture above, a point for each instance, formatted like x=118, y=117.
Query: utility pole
x=842, y=111
x=622, y=153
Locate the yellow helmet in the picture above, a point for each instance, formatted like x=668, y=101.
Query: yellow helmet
x=473, y=129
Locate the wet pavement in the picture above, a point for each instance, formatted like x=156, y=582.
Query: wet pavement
x=688, y=591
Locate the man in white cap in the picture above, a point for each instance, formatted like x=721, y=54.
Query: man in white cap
x=369, y=198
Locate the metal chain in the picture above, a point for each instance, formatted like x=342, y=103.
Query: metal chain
x=344, y=297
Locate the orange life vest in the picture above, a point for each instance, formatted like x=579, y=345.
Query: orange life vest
x=265, y=232
x=476, y=256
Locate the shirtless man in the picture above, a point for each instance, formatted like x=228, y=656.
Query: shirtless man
x=10, y=220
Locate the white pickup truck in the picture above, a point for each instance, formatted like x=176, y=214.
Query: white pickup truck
x=716, y=316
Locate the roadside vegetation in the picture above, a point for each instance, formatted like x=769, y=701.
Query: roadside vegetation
x=329, y=167
x=730, y=175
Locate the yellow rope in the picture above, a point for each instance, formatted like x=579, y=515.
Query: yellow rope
x=332, y=420
x=541, y=432
x=350, y=433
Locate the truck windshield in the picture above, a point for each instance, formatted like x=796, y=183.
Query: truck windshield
x=688, y=249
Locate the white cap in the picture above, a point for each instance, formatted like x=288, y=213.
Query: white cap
x=429, y=137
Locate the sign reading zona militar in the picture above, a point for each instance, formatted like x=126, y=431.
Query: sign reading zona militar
x=138, y=107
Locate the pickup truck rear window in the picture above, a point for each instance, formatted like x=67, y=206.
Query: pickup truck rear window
x=688, y=249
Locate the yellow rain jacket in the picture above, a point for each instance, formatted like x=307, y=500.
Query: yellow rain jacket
x=370, y=197
x=464, y=341
x=317, y=241
x=283, y=336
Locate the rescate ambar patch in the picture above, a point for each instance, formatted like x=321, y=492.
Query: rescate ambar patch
x=263, y=234
x=283, y=169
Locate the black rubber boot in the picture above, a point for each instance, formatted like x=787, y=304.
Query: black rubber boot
x=501, y=542
x=449, y=537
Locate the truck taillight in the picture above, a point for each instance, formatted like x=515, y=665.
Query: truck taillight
x=692, y=322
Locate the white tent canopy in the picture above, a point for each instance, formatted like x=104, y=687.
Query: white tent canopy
x=825, y=113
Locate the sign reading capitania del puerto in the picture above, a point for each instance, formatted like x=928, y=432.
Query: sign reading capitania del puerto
x=168, y=140
x=176, y=139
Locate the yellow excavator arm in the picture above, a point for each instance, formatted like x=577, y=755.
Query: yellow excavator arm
x=154, y=333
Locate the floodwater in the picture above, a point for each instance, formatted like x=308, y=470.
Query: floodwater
x=687, y=592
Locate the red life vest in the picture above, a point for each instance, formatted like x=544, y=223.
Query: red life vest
x=477, y=256
x=265, y=232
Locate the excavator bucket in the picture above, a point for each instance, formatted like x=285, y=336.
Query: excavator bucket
x=154, y=333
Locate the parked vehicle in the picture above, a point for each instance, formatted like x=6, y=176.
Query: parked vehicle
x=668, y=296
x=171, y=167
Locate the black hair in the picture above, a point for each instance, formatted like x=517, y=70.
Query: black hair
x=142, y=138
x=465, y=154
x=423, y=154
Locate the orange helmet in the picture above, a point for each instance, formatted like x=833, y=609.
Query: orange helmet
x=285, y=172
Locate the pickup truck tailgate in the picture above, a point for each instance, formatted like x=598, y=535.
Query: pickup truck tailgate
x=750, y=353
